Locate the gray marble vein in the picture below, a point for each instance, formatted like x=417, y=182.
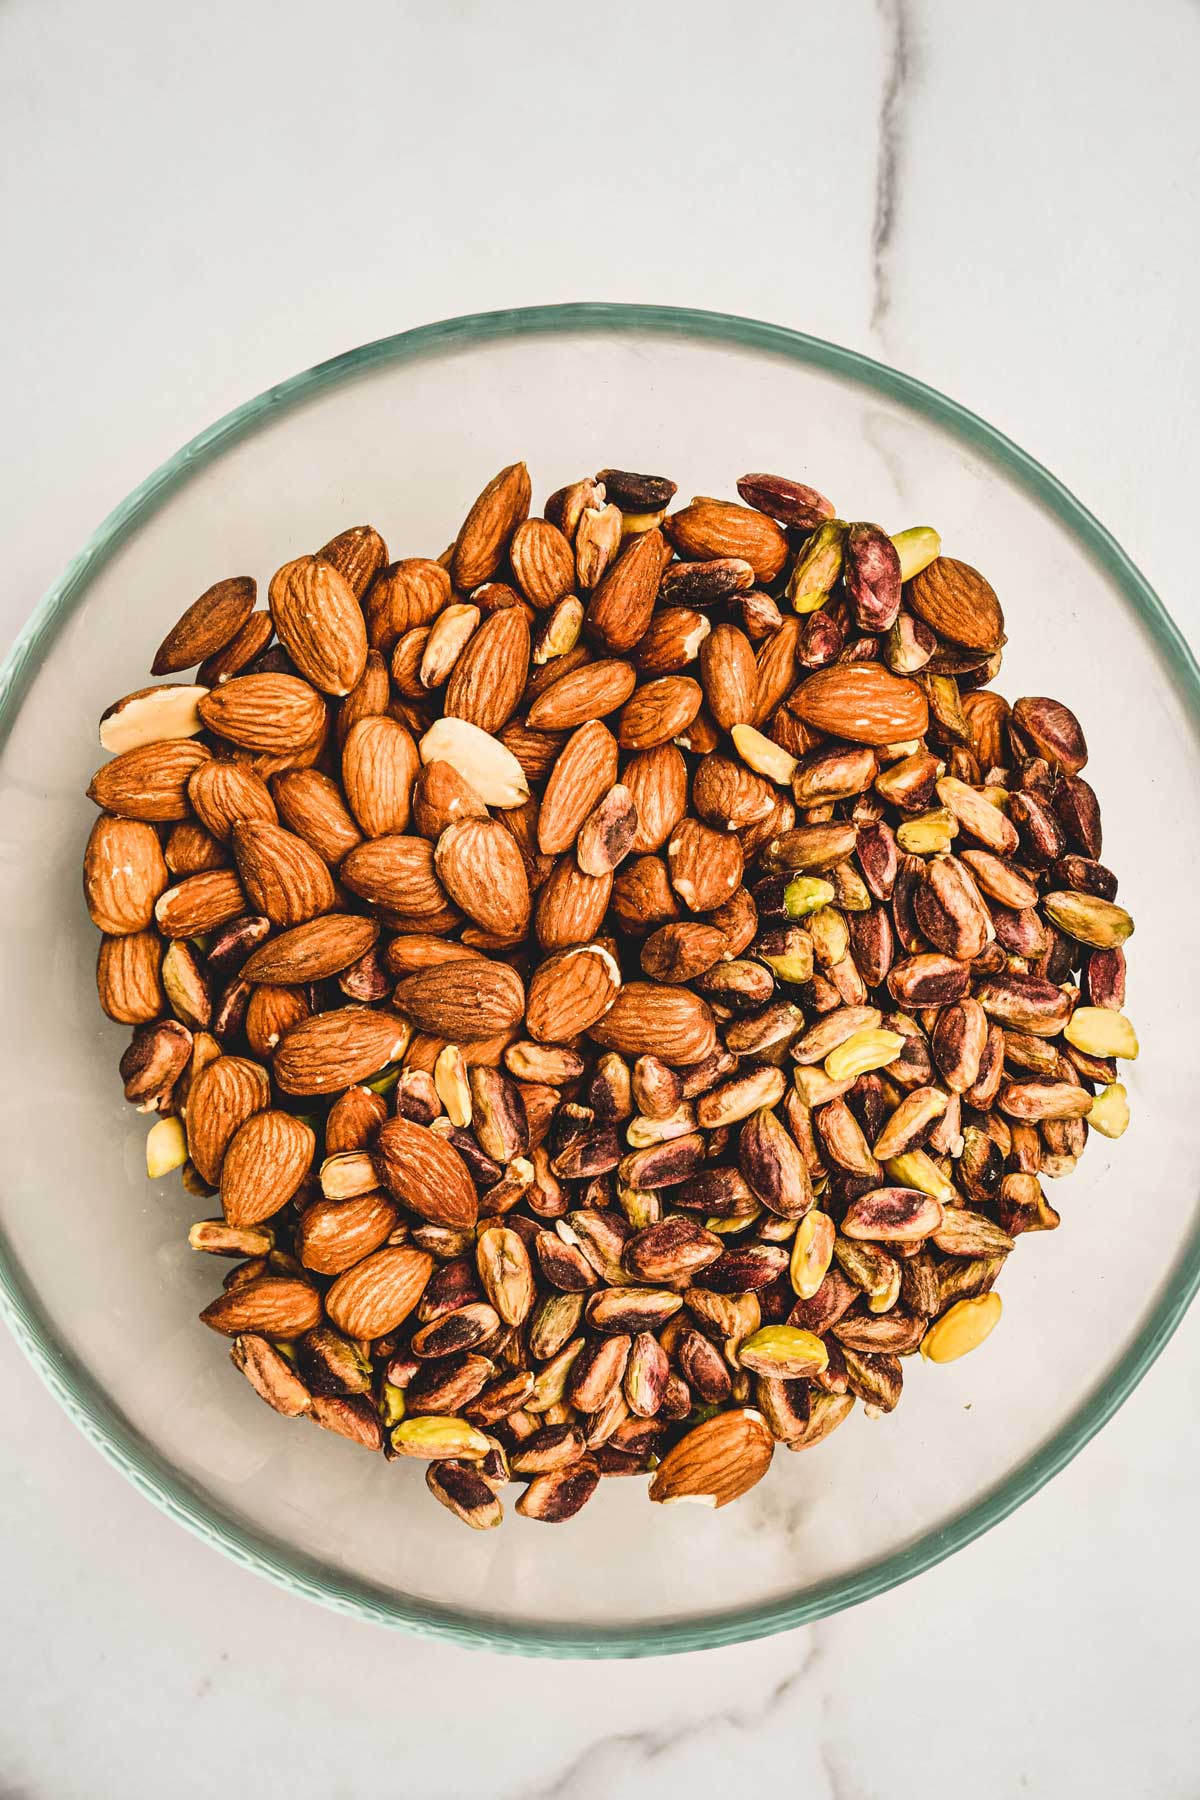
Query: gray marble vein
x=896, y=17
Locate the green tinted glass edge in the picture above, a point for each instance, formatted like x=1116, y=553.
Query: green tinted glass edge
x=111, y=1434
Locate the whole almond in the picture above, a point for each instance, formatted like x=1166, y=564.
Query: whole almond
x=590, y=692
x=467, y=1000
x=241, y=650
x=489, y=676
x=200, y=903
x=149, y=783
x=659, y=711
x=369, y=698
x=957, y=602
x=705, y=865
x=380, y=1292
x=311, y=805
x=191, y=850
x=353, y=1119
x=332, y=1050
x=207, y=626
x=642, y=896
x=543, y=563
x=717, y=1461
x=224, y=1094
x=402, y=597
x=123, y=874
x=379, y=766
x=265, y=1161
x=534, y=751
x=396, y=872
x=658, y=781
x=312, y=951
x=480, y=546
x=775, y=670
x=127, y=977
x=283, y=876
x=358, y=555
x=441, y=797
x=709, y=529
x=424, y=1172
x=729, y=796
x=223, y=794
x=571, y=905
x=272, y=713
x=729, y=676
x=570, y=992
x=481, y=868
x=584, y=770
x=672, y=640
x=319, y=623
x=648, y=1019
x=271, y=1012
x=274, y=1306
x=619, y=610
x=864, y=702
x=333, y=1235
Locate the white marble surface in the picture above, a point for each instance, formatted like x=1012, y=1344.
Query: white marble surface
x=1001, y=200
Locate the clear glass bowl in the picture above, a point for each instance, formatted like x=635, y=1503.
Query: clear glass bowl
x=99, y=1284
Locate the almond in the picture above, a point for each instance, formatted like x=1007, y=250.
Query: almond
x=404, y=955
x=863, y=702
x=585, y=769
x=717, y=1461
x=481, y=868
x=271, y=1012
x=620, y=609
x=353, y=1120
x=543, y=562
x=149, y=783
x=333, y=1050
x=239, y=652
x=642, y=896
x=680, y=952
x=274, y=1306
x=284, y=877
x=333, y=1235
x=190, y=850
x=403, y=596
x=265, y=1161
x=489, y=675
x=123, y=874
x=369, y=698
x=127, y=977
x=590, y=692
x=606, y=835
x=272, y=713
x=711, y=529
x=207, y=626
x=729, y=796
x=659, y=711
x=480, y=546
x=358, y=555
x=729, y=676
x=597, y=540
x=482, y=760
x=775, y=670
x=319, y=623
x=311, y=805
x=571, y=905
x=379, y=766
x=312, y=951
x=647, y=1019
x=223, y=1095
x=426, y=1174
x=570, y=992
x=535, y=751
x=957, y=602
x=380, y=1292
x=705, y=865
x=150, y=716
x=673, y=640
x=448, y=636
x=658, y=782
x=223, y=795
x=466, y=1000
x=200, y=903
x=441, y=797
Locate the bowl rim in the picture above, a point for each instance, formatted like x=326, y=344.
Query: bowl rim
x=81, y=1397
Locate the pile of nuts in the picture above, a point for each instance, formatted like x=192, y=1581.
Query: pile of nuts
x=625, y=979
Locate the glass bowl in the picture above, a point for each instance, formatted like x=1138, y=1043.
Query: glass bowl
x=99, y=1284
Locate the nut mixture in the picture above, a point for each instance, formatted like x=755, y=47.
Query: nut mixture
x=625, y=980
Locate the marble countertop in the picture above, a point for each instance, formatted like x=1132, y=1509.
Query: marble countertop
x=999, y=200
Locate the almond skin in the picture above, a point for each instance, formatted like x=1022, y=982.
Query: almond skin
x=863, y=702
x=358, y=555
x=729, y=676
x=957, y=602
x=659, y=711
x=489, y=676
x=271, y=1012
x=571, y=905
x=620, y=609
x=543, y=563
x=333, y=1050
x=149, y=783
x=311, y=805
x=333, y=1235
x=207, y=626
x=708, y=530
x=380, y=1292
x=223, y=794
x=312, y=951
x=274, y=1306
x=222, y=1097
x=571, y=992
x=480, y=546
x=584, y=770
x=369, y=698
x=716, y=1462
x=379, y=766
x=319, y=623
x=425, y=1173
x=481, y=868
x=239, y=652
x=199, y=903
x=402, y=597
x=658, y=781
x=272, y=713
x=127, y=977
x=467, y=1000
x=265, y=1161
x=647, y=1019
x=123, y=875
x=591, y=692
x=284, y=877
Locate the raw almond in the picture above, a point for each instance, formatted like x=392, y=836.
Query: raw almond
x=369, y=698
x=395, y=872
x=863, y=702
x=207, y=626
x=590, y=692
x=312, y=951
x=284, y=877
x=729, y=676
x=274, y=1306
x=152, y=715
x=200, y=903
x=311, y=805
x=659, y=711
x=353, y=1119
x=123, y=874
x=190, y=850
x=571, y=905
x=484, y=763
x=468, y=999
x=380, y=1292
x=535, y=751
x=425, y=1173
x=358, y=555
x=729, y=796
x=265, y=1161
x=957, y=602
x=271, y=1012
x=222, y=1096
x=490, y=673
x=379, y=766
x=402, y=597
x=775, y=670
x=333, y=1235
x=717, y=1461
x=620, y=609
x=481, y=868
x=648, y=1019
x=584, y=770
x=672, y=641
x=441, y=797
x=710, y=529
x=480, y=546
x=542, y=561
x=223, y=794
x=149, y=783
x=448, y=636
x=241, y=650
x=705, y=865
x=272, y=713
x=319, y=623
x=571, y=992
x=127, y=977
x=333, y=1050
x=658, y=781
